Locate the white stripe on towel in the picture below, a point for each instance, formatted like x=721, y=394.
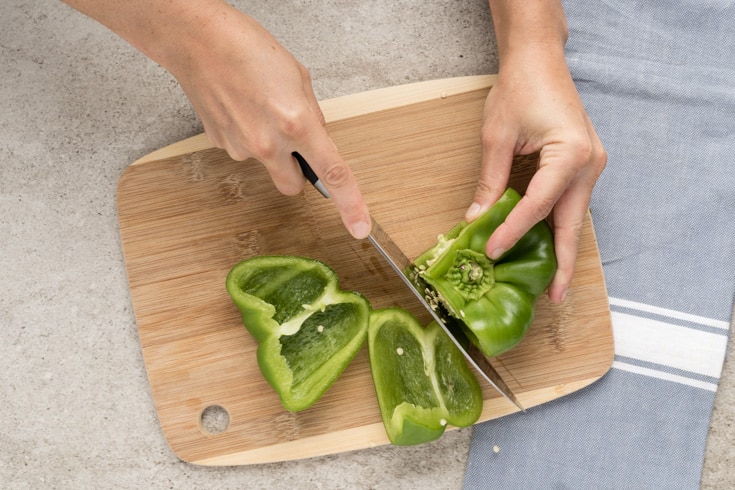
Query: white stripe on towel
x=709, y=322
x=662, y=343
x=665, y=376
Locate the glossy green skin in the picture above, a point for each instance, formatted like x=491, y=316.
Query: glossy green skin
x=423, y=386
x=308, y=330
x=497, y=309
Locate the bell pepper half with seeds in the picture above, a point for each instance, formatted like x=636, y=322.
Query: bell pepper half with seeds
x=308, y=330
x=421, y=379
x=493, y=300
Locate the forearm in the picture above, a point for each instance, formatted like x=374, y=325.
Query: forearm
x=523, y=25
x=161, y=29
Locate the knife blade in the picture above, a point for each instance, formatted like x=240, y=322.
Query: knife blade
x=403, y=267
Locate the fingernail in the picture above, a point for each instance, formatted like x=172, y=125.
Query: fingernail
x=563, y=295
x=495, y=255
x=472, y=212
x=361, y=229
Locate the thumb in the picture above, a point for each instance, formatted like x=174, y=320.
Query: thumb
x=497, y=158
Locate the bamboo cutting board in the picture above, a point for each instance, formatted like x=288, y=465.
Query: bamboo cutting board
x=188, y=213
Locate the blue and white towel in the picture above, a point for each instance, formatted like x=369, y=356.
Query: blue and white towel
x=658, y=80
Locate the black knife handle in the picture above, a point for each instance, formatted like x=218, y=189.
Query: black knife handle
x=308, y=172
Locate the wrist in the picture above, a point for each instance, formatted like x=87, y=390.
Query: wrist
x=532, y=57
x=535, y=29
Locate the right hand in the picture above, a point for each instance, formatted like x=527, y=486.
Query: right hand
x=256, y=100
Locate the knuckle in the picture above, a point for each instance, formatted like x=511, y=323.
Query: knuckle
x=294, y=122
x=293, y=126
x=237, y=154
x=569, y=231
x=487, y=139
x=336, y=174
x=513, y=232
x=541, y=212
x=483, y=188
x=600, y=161
x=289, y=188
x=263, y=147
x=582, y=153
x=540, y=207
x=488, y=191
x=587, y=153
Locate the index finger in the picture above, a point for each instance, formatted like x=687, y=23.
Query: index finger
x=544, y=190
x=336, y=176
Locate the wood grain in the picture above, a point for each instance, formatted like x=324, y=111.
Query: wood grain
x=188, y=213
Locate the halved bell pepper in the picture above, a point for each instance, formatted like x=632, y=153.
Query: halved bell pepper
x=421, y=379
x=494, y=300
x=308, y=330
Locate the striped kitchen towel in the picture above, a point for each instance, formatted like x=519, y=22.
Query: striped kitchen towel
x=658, y=80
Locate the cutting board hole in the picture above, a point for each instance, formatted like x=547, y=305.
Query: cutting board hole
x=214, y=420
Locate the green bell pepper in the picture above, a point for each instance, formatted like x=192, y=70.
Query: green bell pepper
x=421, y=379
x=493, y=300
x=307, y=329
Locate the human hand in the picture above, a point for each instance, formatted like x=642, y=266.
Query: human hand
x=256, y=100
x=534, y=106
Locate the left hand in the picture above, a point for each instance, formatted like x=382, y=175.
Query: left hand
x=534, y=106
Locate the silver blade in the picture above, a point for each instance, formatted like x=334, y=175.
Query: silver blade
x=400, y=263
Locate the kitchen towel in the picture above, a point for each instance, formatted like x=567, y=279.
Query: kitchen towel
x=658, y=80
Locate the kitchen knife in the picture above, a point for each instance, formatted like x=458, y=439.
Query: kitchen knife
x=403, y=266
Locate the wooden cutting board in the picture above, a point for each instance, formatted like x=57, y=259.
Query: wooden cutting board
x=188, y=213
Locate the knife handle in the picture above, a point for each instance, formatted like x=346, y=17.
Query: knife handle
x=312, y=177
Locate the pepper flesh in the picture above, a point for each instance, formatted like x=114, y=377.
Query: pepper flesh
x=421, y=379
x=493, y=300
x=307, y=329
